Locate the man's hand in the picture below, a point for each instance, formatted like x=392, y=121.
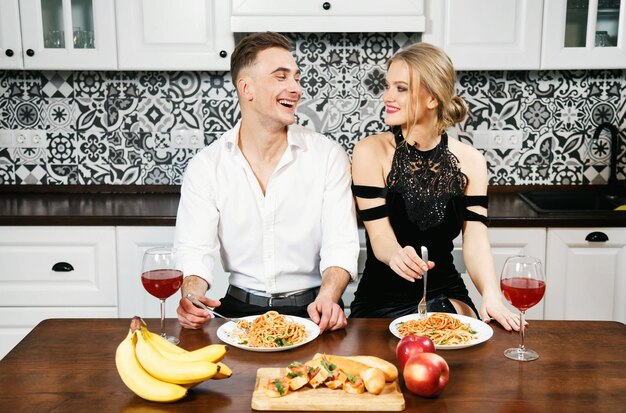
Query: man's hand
x=327, y=314
x=190, y=316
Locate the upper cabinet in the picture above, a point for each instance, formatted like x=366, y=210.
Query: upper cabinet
x=327, y=16
x=58, y=34
x=507, y=34
x=588, y=34
x=486, y=34
x=10, y=37
x=174, y=35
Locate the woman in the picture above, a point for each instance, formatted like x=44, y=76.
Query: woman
x=414, y=187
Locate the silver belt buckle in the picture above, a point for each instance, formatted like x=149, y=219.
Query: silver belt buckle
x=270, y=302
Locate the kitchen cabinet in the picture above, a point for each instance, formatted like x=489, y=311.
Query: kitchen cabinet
x=529, y=34
x=506, y=242
x=58, y=34
x=589, y=34
x=54, y=272
x=10, y=36
x=586, y=278
x=487, y=34
x=174, y=35
x=327, y=16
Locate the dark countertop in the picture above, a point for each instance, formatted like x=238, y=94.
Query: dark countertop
x=157, y=206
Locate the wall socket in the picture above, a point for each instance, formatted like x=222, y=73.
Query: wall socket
x=498, y=139
x=23, y=138
x=187, y=138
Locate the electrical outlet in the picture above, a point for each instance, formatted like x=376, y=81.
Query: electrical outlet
x=23, y=138
x=498, y=139
x=187, y=138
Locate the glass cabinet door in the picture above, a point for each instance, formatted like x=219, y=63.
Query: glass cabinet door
x=584, y=34
x=68, y=34
x=594, y=24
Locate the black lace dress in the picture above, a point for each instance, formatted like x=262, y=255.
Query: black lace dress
x=426, y=205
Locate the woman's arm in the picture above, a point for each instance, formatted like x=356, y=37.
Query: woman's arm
x=367, y=170
x=477, y=249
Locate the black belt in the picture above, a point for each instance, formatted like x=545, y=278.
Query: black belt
x=295, y=300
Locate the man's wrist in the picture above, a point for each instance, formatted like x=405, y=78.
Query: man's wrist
x=194, y=284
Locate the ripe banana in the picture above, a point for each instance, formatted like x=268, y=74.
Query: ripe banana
x=161, y=343
x=224, y=373
x=212, y=353
x=138, y=380
x=166, y=369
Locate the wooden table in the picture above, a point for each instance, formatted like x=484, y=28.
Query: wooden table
x=68, y=366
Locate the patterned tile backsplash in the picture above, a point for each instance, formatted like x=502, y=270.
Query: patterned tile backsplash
x=116, y=127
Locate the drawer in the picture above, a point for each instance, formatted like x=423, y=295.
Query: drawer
x=16, y=323
x=28, y=255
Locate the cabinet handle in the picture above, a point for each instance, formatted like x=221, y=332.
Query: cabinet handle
x=9, y=52
x=223, y=53
x=326, y=5
x=30, y=52
x=596, y=236
x=62, y=267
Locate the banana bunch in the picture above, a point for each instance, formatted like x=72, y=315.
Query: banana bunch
x=157, y=370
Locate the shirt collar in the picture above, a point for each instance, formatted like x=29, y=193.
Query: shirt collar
x=295, y=138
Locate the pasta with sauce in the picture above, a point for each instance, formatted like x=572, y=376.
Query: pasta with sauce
x=270, y=330
x=441, y=328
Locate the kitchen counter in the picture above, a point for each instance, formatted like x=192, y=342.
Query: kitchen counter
x=68, y=365
x=157, y=206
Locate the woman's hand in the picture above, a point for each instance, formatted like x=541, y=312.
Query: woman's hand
x=492, y=308
x=407, y=264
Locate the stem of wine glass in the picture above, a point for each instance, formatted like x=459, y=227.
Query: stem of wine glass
x=521, y=330
x=163, y=318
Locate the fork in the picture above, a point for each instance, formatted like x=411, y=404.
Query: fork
x=422, y=310
x=194, y=300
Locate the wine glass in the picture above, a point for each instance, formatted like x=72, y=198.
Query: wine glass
x=523, y=285
x=161, y=278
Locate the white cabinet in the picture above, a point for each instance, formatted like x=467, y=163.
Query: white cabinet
x=486, y=34
x=506, y=242
x=586, y=279
x=584, y=34
x=174, y=35
x=327, y=16
x=58, y=34
x=54, y=272
x=10, y=36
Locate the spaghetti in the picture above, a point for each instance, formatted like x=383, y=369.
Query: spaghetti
x=441, y=328
x=270, y=330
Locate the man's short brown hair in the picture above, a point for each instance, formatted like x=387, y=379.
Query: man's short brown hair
x=248, y=48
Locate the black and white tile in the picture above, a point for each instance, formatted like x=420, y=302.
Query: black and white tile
x=115, y=127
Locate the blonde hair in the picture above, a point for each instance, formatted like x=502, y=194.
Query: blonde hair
x=430, y=67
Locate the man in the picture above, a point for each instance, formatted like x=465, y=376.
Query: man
x=273, y=198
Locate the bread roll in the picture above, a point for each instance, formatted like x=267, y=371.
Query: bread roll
x=374, y=380
x=390, y=370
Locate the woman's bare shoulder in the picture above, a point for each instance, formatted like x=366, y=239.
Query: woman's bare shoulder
x=374, y=144
x=465, y=152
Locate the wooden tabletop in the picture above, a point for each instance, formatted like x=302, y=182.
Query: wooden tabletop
x=67, y=365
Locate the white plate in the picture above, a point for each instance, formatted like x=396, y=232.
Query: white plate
x=224, y=333
x=483, y=331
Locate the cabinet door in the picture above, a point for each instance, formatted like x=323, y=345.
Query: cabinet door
x=327, y=16
x=57, y=266
x=506, y=242
x=10, y=38
x=486, y=34
x=174, y=35
x=584, y=34
x=132, y=242
x=586, y=280
x=68, y=34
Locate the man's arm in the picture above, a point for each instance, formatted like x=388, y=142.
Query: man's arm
x=325, y=310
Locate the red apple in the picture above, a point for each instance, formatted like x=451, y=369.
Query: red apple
x=426, y=374
x=413, y=344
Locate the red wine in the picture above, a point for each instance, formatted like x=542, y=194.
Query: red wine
x=522, y=293
x=162, y=283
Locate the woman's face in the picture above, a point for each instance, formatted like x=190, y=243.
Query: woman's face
x=396, y=97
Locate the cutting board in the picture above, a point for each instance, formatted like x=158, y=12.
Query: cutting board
x=323, y=398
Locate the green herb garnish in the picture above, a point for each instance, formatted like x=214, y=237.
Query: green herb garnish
x=351, y=378
x=329, y=367
x=279, y=386
x=292, y=375
x=295, y=364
